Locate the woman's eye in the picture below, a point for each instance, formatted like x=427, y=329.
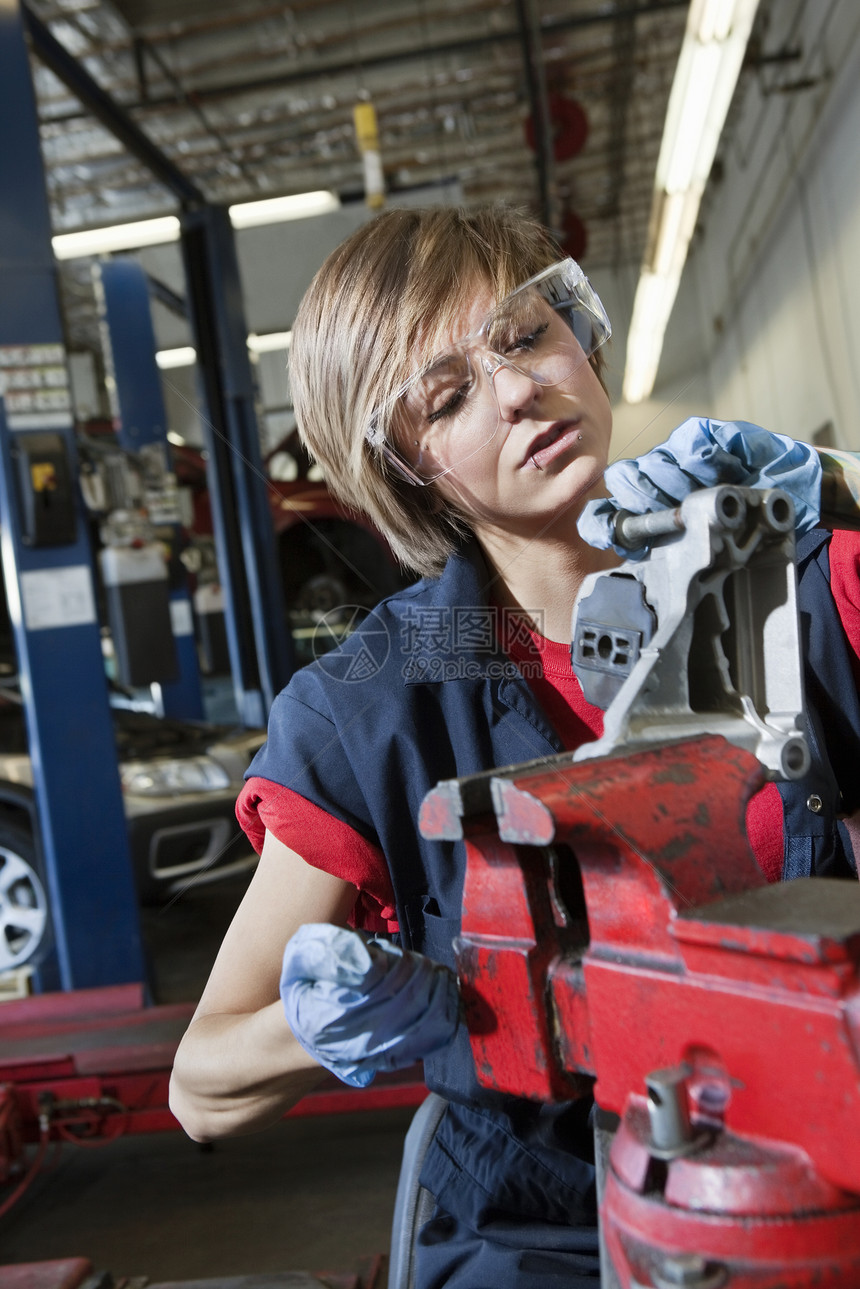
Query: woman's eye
x=528, y=341
x=450, y=406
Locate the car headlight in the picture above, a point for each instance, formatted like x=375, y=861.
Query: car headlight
x=174, y=777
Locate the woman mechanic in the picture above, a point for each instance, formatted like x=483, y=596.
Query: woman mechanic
x=446, y=369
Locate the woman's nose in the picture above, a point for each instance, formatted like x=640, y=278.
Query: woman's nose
x=515, y=390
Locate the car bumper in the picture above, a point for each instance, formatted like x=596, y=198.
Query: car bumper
x=182, y=845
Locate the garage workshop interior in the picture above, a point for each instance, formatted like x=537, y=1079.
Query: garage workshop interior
x=173, y=174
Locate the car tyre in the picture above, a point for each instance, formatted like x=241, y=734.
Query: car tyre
x=24, y=911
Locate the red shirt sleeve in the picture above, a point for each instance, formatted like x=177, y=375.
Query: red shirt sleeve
x=323, y=842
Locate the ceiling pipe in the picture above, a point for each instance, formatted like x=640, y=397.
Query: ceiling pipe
x=283, y=80
x=227, y=22
x=535, y=73
x=591, y=67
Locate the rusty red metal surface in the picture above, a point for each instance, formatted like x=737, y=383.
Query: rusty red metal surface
x=616, y=925
x=58, y=1273
x=753, y=1207
x=71, y=1273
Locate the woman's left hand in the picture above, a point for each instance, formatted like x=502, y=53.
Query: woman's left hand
x=702, y=453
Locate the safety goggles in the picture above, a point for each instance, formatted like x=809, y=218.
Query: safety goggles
x=449, y=410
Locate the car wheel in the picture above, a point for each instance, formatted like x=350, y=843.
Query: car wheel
x=322, y=595
x=24, y=918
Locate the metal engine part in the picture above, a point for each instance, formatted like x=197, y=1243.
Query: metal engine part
x=702, y=637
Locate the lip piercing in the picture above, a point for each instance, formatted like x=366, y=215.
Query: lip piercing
x=578, y=439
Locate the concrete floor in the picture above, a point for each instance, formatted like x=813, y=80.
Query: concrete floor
x=312, y=1194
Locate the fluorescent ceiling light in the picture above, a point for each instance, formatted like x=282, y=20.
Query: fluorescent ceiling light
x=273, y=210
x=116, y=237
x=709, y=64
x=655, y=295
x=687, y=116
x=155, y=232
x=184, y=356
x=273, y=340
x=711, y=19
x=678, y=214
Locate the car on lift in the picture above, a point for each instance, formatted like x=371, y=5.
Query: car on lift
x=334, y=564
x=180, y=780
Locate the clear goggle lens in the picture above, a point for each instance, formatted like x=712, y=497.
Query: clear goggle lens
x=448, y=411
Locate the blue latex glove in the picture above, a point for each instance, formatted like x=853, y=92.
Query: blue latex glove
x=702, y=454
x=359, y=1005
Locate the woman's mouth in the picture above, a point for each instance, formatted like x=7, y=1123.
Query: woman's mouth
x=546, y=447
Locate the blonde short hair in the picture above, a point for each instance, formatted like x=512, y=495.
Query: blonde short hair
x=390, y=292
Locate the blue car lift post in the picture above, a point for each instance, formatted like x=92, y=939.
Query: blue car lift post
x=258, y=637
x=143, y=422
x=81, y=821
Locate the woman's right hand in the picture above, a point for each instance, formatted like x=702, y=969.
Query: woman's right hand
x=703, y=453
